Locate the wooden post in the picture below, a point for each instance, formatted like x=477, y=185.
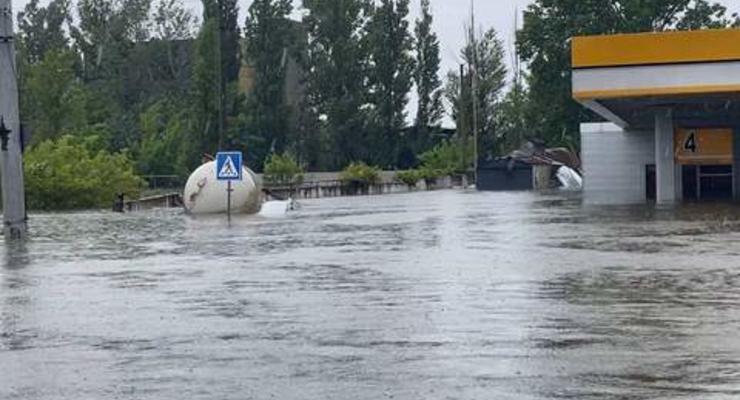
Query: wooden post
x=11, y=160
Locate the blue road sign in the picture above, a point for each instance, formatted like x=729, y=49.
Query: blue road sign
x=229, y=166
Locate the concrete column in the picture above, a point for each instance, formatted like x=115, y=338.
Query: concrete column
x=11, y=162
x=736, y=163
x=665, y=160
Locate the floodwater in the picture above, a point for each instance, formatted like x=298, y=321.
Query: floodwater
x=439, y=295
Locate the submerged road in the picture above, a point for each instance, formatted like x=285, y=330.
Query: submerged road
x=439, y=295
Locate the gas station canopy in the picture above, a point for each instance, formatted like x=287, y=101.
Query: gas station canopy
x=625, y=78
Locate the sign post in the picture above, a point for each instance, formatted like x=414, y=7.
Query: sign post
x=229, y=168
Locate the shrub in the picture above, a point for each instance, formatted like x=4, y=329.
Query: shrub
x=445, y=159
x=67, y=174
x=410, y=177
x=429, y=174
x=283, y=170
x=360, y=173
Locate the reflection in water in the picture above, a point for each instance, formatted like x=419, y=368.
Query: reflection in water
x=15, y=303
x=423, y=296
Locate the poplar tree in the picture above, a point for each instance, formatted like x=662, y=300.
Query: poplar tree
x=391, y=76
x=483, y=57
x=41, y=29
x=269, y=37
x=426, y=73
x=215, y=74
x=337, y=63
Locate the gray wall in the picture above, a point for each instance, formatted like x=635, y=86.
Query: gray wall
x=614, y=163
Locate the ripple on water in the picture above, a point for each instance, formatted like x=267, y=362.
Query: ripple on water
x=430, y=295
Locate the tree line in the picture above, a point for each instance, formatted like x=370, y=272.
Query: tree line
x=151, y=80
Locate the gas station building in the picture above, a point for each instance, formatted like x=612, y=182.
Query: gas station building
x=672, y=102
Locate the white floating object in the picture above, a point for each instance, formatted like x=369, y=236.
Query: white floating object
x=276, y=208
x=205, y=195
x=570, y=179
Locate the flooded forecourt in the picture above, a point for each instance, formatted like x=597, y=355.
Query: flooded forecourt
x=433, y=295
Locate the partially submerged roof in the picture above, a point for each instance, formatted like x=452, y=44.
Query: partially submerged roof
x=625, y=77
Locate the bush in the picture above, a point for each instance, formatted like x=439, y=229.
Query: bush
x=283, y=170
x=445, y=159
x=429, y=174
x=360, y=173
x=410, y=177
x=66, y=174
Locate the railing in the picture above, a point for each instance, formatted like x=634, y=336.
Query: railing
x=156, y=182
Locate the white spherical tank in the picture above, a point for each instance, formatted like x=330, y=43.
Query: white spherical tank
x=204, y=194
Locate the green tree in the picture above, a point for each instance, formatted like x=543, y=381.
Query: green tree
x=337, y=61
x=360, y=173
x=106, y=32
x=512, y=122
x=206, y=103
x=216, y=67
x=162, y=127
x=226, y=15
x=41, y=29
x=106, y=35
x=55, y=102
x=172, y=21
x=269, y=36
x=283, y=169
x=426, y=73
x=69, y=173
x=390, y=76
x=544, y=43
x=485, y=79
x=448, y=157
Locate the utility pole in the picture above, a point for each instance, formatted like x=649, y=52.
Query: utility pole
x=220, y=73
x=474, y=85
x=462, y=120
x=11, y=160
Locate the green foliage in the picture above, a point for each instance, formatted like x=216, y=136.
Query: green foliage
x=485, y=55
x=390, y=75
x=214, y=92
x=104, y=34
x=360, y=173
x=426, y=72
x=512, y=122
x=544, y=44
x=66, y=174
x=270, y=34
x=42, y=29
x=53, y=98
x=446, y=159
x=162, y=127
x=126, y=74
x=337, y=60
x=410, y=177
x=225, y=14
x=283, y=170
x=172, y=21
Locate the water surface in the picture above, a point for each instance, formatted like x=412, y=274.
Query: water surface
x=439, y=295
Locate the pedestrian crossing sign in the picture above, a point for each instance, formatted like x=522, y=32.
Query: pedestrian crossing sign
x=229, y=166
